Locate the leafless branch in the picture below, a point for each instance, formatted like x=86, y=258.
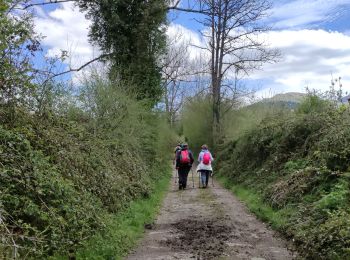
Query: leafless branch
x=75, y=70
x=26, y=6
x=188, y=10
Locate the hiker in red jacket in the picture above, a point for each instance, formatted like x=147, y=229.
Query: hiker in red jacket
x=184, y=161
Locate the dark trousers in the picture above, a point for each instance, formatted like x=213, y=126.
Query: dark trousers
x=205, y=177
x=183, y=173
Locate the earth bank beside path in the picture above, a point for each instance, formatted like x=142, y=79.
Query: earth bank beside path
x=208, y=224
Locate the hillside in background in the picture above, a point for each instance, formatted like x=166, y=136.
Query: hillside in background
x=248, y=117
x=295, y=97
x=289, y=100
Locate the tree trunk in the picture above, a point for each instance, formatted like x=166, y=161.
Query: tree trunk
x=216, y=114
x=217, y=38
x=167, y=106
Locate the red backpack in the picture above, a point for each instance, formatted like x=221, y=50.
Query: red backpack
x=206, y=158
x=184, y=157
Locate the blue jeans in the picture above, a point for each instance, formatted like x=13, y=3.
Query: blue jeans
x=205, y=177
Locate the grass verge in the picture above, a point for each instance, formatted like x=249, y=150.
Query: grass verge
x=126, y=228
x=277, y=219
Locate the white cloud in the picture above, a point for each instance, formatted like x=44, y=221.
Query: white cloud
x=177, y=3
x=187, y=36
x=310, y=58
x=66, y=28
x=299, y=13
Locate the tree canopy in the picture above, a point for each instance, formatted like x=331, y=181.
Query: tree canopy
x=132, y=34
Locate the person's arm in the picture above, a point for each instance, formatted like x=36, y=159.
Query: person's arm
x=177, y=159
x=211, y=157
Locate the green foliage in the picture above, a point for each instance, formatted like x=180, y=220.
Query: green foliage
x=313, y=104
x=62, y=174
x=297, y=163
x=197, y=122
x=197, y=119
x=333, y=236
x=70, y=160
x=4, y=5
x=337, y=198
x=38, y=204
x=292, y=188
x=18, y=43
x=238, y=122
x=126, y=228
x=333, y=149
x=132, y=33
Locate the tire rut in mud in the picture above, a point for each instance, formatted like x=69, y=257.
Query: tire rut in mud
x=204, y=238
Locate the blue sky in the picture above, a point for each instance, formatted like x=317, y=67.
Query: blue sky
x=291, y=14
x=312, y=35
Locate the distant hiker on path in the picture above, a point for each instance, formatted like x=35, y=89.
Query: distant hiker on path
x=177, y=148
x=184, y=161
x=204, y=167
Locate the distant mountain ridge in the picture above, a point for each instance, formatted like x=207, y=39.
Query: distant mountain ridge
x=289, y=100
x=294, y=97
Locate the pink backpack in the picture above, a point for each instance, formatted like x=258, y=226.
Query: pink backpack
x=206, y=158
x=184, y=157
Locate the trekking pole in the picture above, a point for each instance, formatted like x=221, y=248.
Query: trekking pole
x=199, y=180
x=192, y=179
x=175, y=176
x=212, y=179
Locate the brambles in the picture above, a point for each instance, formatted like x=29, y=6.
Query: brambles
x=71, y=158
x=300, y=161
x=60, y=176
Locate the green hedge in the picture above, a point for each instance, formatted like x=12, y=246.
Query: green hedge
x=61, y=174
x=300, y=162
x=124, y=229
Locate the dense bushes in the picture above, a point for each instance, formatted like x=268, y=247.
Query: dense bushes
x=61, y=173
x=299, y=164
x=41, y=209
x=71, y=155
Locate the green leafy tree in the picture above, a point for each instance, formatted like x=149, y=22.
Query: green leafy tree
x=18, y=44
x=131, y=33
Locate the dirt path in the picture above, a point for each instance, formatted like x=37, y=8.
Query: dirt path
x=208, y=224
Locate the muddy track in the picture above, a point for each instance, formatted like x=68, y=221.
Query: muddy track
x=208, y=224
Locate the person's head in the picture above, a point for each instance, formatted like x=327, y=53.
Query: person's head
x=204, y=147
x=184, y=146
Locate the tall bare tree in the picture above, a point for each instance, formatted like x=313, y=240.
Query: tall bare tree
x=173, y=72
x=232, y=30
x=180, y=73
